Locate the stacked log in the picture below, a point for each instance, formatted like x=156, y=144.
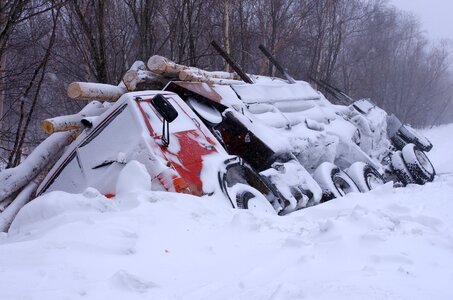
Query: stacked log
x=95, y=91
x=133, y=78
x=65, y=123
x=163, y=66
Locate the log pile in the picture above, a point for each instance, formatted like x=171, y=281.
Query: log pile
x=155, y=74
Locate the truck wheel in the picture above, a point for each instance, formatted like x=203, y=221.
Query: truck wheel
x=334, y=182
x=249, y=198
x=245, y=188
x=412, y=136
x=365, y=176
x=418, y=164
x=400, y=170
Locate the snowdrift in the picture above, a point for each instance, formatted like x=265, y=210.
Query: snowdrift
x=385, y=244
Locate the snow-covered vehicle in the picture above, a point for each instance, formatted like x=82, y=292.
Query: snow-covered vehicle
x=258, y=142
x=345, y=148
x=398, y=147
x=265, y=124
x=160, y=131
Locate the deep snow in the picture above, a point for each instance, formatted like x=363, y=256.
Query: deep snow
x=386, y=244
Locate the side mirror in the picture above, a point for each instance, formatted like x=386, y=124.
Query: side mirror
x=164, y=108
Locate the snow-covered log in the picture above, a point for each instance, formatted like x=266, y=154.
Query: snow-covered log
x=7, y=216
x=161, y=65
x=4, y=203
x=12, y=180
x=95, y=91
x=188, y=75
x=65, y=123
x=134, y=77
x=194, y=73
x=138, y=65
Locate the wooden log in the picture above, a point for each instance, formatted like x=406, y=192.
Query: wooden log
x=164, y=66
x=12, y=180
x=161, y=65
x=8, y=215
x=195, y=77
x=95, y=91
x=194, y=73
x=4, y=204
x=65, y=123
x=133, y=78
x=138, y=65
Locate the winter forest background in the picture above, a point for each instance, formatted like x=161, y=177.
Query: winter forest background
x=368, y=48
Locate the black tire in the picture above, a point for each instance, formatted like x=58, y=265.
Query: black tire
x=334, y=182
x=398, y=142
x=410, y=135
x=242, y=199
x=400, y=170
x=250, y=198
x=418, y=164
x=365, y=176
x=240, y=183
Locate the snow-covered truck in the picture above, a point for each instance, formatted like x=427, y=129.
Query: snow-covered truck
x=298, y=123
x=254, y=142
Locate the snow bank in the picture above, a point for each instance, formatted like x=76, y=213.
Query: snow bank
x=386, y=244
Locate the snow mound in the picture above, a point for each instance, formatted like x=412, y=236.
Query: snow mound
x=133, y=178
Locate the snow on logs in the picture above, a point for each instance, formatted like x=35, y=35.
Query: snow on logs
x=65, y=123
x=159, y=67
x=91, y=91
x=163, y=66
x=12, y=180
x=132, y=78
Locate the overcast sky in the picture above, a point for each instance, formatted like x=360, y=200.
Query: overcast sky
x=436, y=15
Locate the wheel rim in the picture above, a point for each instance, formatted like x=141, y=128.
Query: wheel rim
x=424, y=161
x=373, y=181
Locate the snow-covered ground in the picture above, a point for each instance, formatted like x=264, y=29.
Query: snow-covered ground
x=386, y=244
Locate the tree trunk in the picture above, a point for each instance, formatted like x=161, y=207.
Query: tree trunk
x=226, y=30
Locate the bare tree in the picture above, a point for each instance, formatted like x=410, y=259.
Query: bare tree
x=37, y=79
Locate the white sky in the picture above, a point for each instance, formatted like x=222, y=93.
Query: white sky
x=436, y=16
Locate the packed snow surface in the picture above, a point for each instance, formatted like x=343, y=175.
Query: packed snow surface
x=385, y=244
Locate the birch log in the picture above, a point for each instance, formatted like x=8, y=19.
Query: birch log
x=189, y=75
x=132, y=78
x=193, y=73
x=95, y=91
x=65, y=123
x=12, y=180
x=164, y=66
x=7, y=216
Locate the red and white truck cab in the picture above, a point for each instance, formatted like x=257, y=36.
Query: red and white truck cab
x=159, y=130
